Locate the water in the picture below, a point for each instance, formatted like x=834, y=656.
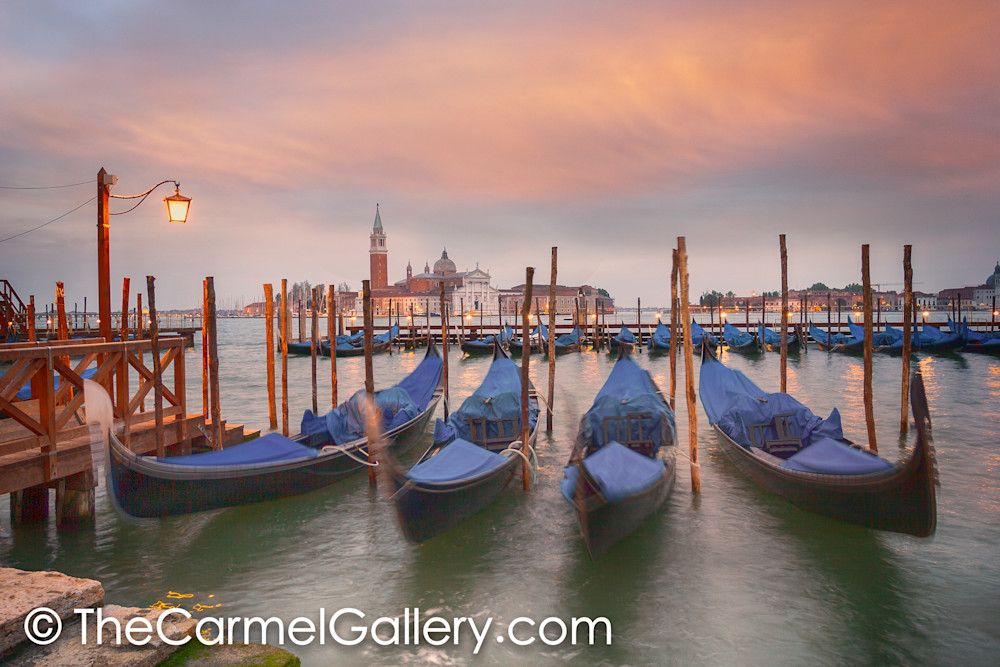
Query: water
x=730, y=576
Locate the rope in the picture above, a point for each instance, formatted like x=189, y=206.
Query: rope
x=532, y=461
x=338, y=448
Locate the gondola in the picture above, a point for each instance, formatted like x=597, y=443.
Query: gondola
x=476, y=454
x=538, y=339
x=991, y=346
x=740, y=341
x=882, y=341
x=831, y=342
x=659, y=340
x=327, y=449
x=622, y=465
x=355, y=347
x=485, y=345
x=699, y=336
x=771, y=340
x=624, y=338
x=568, y=342
x=780, y=444
x=971, y=336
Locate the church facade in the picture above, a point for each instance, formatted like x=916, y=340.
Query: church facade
x=466, y=291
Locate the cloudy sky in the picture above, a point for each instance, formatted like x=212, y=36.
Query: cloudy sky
x=498, y=130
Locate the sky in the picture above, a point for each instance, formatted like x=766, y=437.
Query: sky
x=499, y=130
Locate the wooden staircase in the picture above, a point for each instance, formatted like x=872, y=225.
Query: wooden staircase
x=15, y=315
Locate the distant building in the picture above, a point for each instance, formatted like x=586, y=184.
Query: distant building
x=468, y=291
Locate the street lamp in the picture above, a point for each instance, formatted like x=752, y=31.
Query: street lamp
x=177, y=211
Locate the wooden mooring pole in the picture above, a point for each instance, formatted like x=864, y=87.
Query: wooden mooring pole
x=205, y=408
x=283, y=322
x=689, y=366
x=333, y=344
x=154, y=337
x=784, y=313
x=525, y=358
x=314, y=348
x=674, y=321
x=552, y=344
x=366, y=296
x=867, y=302
x=444, y=346
x=213, y=366
x=904, y=412
x=272, y=409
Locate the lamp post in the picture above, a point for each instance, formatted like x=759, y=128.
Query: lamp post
x=177, y=211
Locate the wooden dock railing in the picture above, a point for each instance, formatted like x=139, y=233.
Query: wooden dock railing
x=45, y=437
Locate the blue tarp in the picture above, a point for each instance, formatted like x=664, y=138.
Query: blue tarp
x=734, y=337
x=458, y=460
x=567, y=339
x=769, y=337
x=879, y=339
x=618, y=471
x=270, y=448
x=628, y=390
x=660, y=337
x=498, y=397
x=624, y=336
x=698, y=335
x=829, y=457
x=827, y=338
x=733, y=402
x=399, y=404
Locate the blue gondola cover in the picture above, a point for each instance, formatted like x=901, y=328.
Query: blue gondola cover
x=618, y=471
x=459, y=460
x=270, y=448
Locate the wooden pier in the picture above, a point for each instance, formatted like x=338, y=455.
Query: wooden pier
x=45, y=441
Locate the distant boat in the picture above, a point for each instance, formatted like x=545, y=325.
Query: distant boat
x=832, y=342
x=327, y=449
x=354, y=345
x=740, y=341
x=537, y=339
x=624, y=338
x=622, y=465
x=660, y=338
x=485, y=345
x=699, y=336
x=771, y=340
x=568, y=342
x=779, y=443
x=475, y=456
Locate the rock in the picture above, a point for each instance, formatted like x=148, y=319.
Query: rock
x=70, y=651
x=21, y=592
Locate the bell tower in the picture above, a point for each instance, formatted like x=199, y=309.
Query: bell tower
x=378, y=254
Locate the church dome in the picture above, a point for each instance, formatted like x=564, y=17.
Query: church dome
x=444, y=266
x=992, y=281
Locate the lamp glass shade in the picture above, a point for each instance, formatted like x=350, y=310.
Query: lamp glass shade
x=177, y=207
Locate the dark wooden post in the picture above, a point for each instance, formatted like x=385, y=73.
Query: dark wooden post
x=904, y=413
x=32, y=333
x=444, y=345
x=272, y=409
x=205, y=406
x=213, y=366
x=525, y=357
x=638, y=319
x=122, y=370
x=674, y=321
x=784, y=312
x=869, y=410
x=689, y=367
x=333, y=343
x=314, y=349
x=366, y=300
x=552, y=344
x=302, y=320
x=154, y=337
x=284, y=356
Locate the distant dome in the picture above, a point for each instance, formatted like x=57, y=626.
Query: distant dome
x=991, y=281
x=444, y=266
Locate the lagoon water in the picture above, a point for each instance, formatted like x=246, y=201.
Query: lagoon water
x=732, y=575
